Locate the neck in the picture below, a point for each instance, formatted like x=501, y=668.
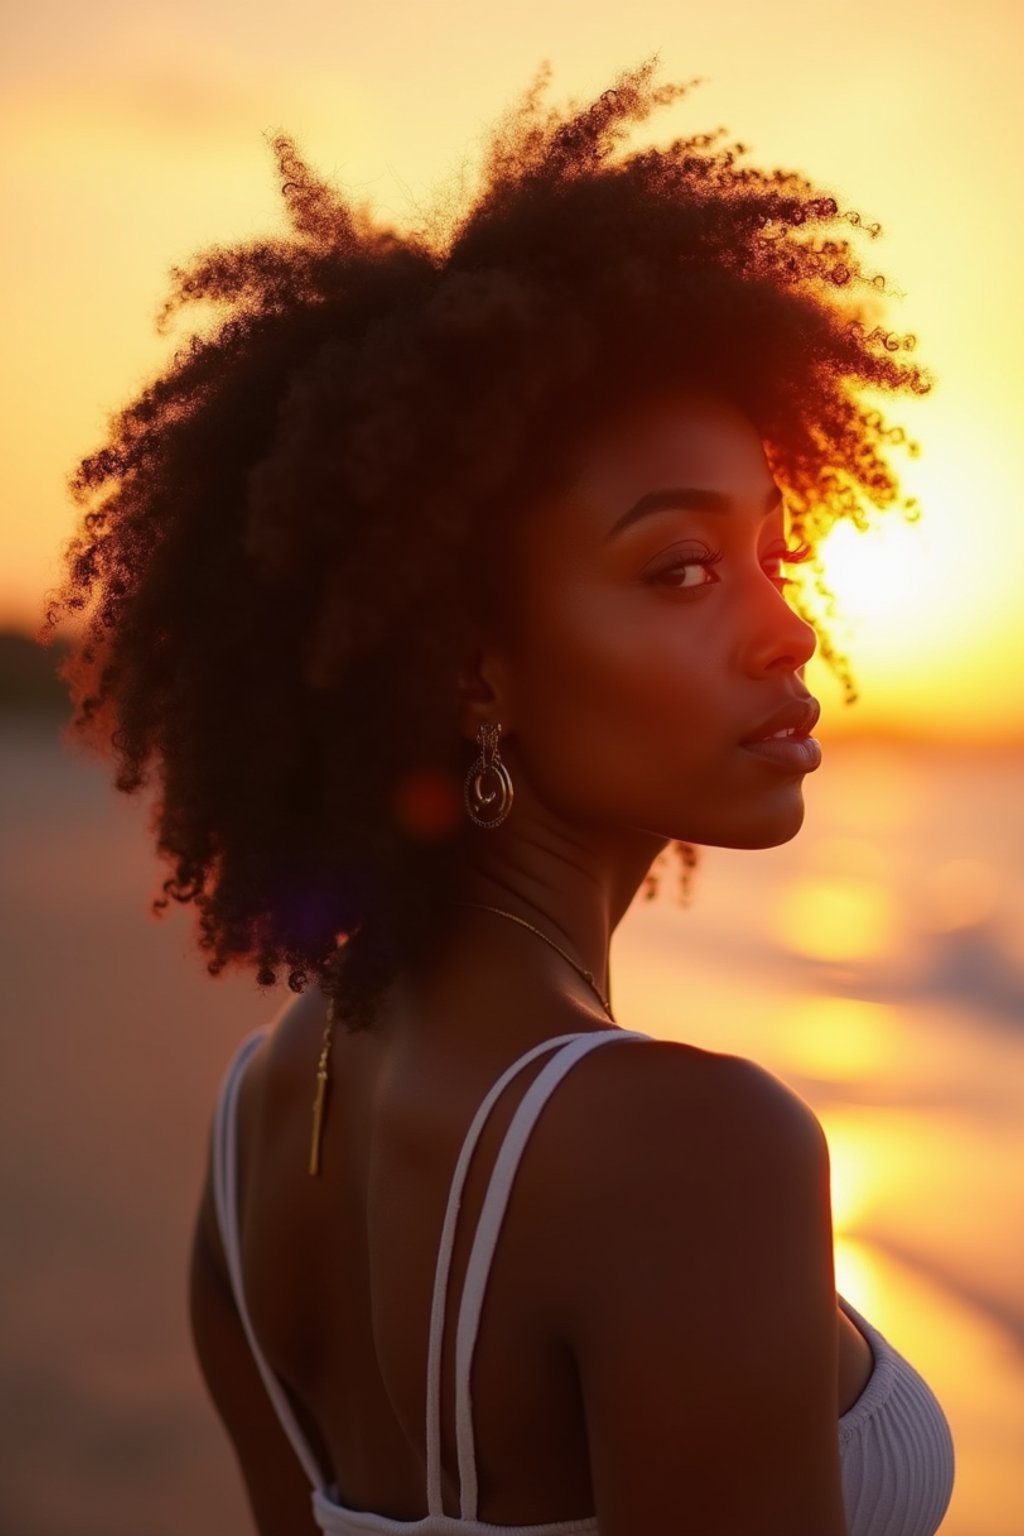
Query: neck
x=560, y=949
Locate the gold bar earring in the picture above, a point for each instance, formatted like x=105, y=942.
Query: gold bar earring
x=321, y=1090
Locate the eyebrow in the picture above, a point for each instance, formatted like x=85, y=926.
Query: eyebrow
x=692, y=498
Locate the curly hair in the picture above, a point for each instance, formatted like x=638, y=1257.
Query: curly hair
x=291, y=531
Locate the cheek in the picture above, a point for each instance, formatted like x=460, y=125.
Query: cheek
x=614, y=694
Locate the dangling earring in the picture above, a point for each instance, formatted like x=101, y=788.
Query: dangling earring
x=323, y=1064
x=321, y=1089
x=688, y=853
x=489, y=762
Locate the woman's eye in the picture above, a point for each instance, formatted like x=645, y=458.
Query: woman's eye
x=674, y=575
x=669, y=573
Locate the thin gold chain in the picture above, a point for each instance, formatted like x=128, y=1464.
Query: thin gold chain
x=319, y=1102
x=587, y=975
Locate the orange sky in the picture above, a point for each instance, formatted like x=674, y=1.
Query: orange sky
x=134, y=135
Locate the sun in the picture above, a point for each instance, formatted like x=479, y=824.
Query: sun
x=876, y=573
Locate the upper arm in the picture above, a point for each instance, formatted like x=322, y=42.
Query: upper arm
x=700, y=1301
x=276, y=1484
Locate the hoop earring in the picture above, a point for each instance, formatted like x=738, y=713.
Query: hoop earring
x=489, y=762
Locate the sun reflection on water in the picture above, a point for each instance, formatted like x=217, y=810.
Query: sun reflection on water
x=840, y=1039
x=838, y=917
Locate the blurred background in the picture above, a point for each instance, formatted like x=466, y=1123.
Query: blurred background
x=876, y=962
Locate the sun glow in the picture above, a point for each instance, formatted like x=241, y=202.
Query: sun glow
x=875, y=573
x=838, y=918
x=169, y=124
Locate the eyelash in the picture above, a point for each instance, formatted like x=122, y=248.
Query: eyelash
x=795, y=556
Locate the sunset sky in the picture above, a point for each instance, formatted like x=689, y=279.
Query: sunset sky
x=134, y=135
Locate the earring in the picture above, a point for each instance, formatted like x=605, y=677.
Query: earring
x=690, y=859
x=489, y=762
x=688, y=853
x=321, y=1089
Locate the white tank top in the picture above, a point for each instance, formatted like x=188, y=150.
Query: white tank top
x=895, y=1446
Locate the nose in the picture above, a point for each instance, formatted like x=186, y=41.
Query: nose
x=778, y=638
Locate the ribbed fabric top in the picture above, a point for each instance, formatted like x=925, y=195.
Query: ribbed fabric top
x=895, y=1445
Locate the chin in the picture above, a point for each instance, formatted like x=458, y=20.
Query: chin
x=762, y=829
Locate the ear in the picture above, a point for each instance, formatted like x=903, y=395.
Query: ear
x=482, y=694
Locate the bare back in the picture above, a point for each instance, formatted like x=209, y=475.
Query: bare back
x=340, y=1270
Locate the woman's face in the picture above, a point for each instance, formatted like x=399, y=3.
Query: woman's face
x=648, y=644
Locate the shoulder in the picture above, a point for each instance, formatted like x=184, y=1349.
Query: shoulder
x=286, y=1057
x=274, y=1068
x=660, y=1148
x=664, y=1099
x=266, y=1071
x=681, y=1202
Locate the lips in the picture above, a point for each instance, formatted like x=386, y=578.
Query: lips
x=798, y=715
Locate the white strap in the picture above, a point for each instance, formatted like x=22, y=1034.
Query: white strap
x=486, y=1237
x=226, y=1197
x=435, y=1505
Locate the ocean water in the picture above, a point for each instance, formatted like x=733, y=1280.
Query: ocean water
x=875, y=963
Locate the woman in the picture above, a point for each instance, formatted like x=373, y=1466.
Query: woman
x=444, y=584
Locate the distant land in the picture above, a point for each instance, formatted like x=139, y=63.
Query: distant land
x=29, y=684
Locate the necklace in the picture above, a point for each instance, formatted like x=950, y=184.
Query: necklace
x=588, y=976
x=325, y=1049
